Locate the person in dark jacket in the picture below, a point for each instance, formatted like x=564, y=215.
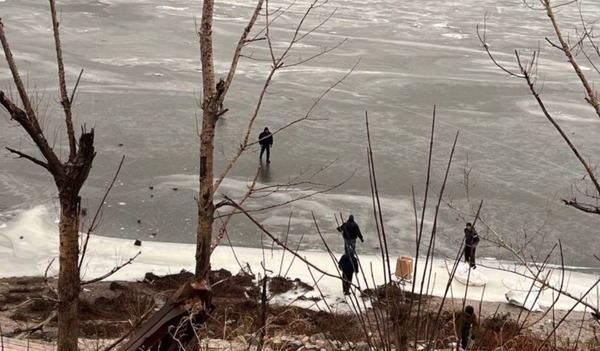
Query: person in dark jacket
x=465, y=324
x=350, y=231
x=471, y=241
x=348, y=265
x=265, y=140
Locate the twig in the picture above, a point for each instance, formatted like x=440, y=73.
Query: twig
x=131, y=330
x=435, y=219
x=287, y=235
x=232, y=203
x=40, y=325
x=112, y=271
x=375, y=194
x=92, y=225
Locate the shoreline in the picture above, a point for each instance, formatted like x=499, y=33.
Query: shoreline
x=40, y=217
x=536, y=324
x=34, y=245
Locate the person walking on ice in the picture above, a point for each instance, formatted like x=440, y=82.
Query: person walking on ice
x=265, y=140
x=350, y=231
x=471, y=241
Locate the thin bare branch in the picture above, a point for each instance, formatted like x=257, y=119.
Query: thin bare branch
x=321, y=53
x=31, y=126
x=582, y=207
x=377, y=205
x=277, y=241
x=41, y=324
x=30, y=158
x=591, y=93
x=314, y=29
x=236, y=56
x=435, y=220
x=224, y=222
x=535, y=93
x=29, y=110
x=64, y=96
x=72, y=99
x=112, y=271
x=97, y=215
x=481, y=34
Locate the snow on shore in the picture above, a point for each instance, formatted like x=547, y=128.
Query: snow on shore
x=29, y=242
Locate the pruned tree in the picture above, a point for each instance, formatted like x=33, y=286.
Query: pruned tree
x=213, y=97
x=69, y=176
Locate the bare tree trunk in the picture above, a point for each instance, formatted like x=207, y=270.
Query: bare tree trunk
x=206, y=208
x=213, y=95
x=69, y=178
x=68, y=274
x=75, y=174
x=210, y=105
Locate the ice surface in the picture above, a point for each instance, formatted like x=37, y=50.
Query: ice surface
x=141, y=86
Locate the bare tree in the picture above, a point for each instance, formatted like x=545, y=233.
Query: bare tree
x=578, y=44
x=583, y=46
x=69, y=176
x=214, y=92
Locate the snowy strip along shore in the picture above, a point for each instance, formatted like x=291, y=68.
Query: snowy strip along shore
x=29, y=241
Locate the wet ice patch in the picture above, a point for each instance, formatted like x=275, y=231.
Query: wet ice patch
x=227, y=18
x=6, y=245
x=116, y=2
x=561, y=110
x=455, y=35
x=571, y=117
x=172, y=8
x=86, y=30
x=177, y=182
x=443, y=25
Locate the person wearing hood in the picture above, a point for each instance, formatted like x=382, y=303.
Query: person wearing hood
x=265, y=140
x=350, y=232
x=348, y=265
x=471, y=241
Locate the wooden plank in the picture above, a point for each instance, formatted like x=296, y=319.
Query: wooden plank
x=9, y=344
